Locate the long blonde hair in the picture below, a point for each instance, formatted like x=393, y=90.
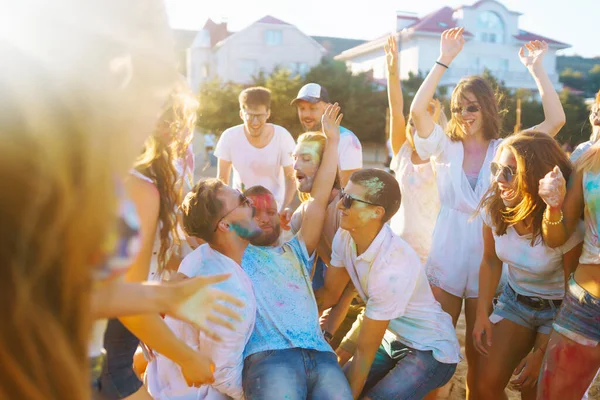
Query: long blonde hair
x=76, y=101
x=536, y=154
x=167, y=145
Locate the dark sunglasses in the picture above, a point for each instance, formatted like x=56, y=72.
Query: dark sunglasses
x=244, y=201
x=347, y=201
x=506, y=171
x=471, y=108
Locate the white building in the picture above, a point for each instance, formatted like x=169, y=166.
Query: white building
x=493, y=39
x=236, y=57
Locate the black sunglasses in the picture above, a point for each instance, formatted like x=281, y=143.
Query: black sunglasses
x=471, y=108
x=347, y=200
x=506, y=171
x=244, y=201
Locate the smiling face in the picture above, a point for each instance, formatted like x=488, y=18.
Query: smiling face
x=307, y=158
x=255, y=118
x=267, y=219
x=468, y=114
x=310, y=114
x=508, y=188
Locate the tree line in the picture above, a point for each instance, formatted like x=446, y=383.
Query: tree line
x=364, y=102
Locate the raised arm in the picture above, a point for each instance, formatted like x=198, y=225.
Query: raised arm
x=554, y=115
x=563, y=207
x=312, y=221
x=224, y=170
x=451, y=44
x=395, y=100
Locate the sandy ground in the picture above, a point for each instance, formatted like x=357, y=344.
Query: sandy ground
x=456, y=389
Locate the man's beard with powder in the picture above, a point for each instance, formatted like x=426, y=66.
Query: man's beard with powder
x=246, y=233
x=267, y=239
x=316, y=127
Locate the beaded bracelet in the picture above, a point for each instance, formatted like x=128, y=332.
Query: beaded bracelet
x=547, y=221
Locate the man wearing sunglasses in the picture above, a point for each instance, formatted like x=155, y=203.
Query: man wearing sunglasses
x=260, y=152
x=287, y=356
x=407, y=346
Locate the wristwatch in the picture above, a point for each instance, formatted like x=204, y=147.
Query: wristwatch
x=328, y=336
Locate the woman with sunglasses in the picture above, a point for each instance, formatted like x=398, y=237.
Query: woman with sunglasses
x=462, y=163
x=415, y=220
x=520, y=324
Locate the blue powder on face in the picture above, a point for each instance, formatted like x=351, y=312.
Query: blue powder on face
x=244, y=232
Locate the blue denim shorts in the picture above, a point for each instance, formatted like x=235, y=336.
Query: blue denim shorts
x=579, y=316
x=510, y=308
x=400, y=372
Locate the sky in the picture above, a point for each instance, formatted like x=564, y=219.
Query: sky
x=574, y=21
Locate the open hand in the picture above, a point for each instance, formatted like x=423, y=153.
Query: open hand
x=451, y=44
x=330, y=121
x=536, y=51
x=285, y=217
x=553, y=188
x=196, y=301
x=391, y=55
x=528, y=370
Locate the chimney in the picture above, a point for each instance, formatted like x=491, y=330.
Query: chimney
x=404, y=19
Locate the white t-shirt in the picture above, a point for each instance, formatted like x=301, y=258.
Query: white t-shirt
x=164, y=377
x=349, y=151
x=391, y=280
x=253, y=166
x=534, y=271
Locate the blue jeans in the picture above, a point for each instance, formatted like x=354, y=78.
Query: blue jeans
x=399, y=372
x=294, y=374
x=319, y=276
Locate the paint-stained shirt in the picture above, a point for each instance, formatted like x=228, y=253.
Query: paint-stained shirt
x=349, y=151
x=286, y=313
x=391, y=279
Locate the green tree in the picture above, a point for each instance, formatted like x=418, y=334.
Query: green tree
x=576, y=129
x=573, y=79
x=219, y=107
x=594, y=80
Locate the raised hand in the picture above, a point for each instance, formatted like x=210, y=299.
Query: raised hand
x=195, y=300
x=330, y=121
x=553, y=188
x=391, y=55
x=451, y=44
x=535, y=53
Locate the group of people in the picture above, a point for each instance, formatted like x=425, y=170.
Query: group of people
x=124, y=279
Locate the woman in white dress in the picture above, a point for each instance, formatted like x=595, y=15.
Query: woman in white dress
x=415, y=219
x=462, y=163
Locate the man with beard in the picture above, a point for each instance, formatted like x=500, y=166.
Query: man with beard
x=311, y=102
x=260, y=152
x=287, y=356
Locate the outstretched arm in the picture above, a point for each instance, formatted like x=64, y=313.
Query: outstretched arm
x=554, y=115
x=312, y=221
x=395, y=100
x=450, y=46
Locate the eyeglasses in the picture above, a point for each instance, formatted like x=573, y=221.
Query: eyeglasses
x=471, y=108
x=250, y=117
x=244, y=202
x=347, y=201
x=506, y=171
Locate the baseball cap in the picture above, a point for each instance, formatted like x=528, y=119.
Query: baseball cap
x=313, y=93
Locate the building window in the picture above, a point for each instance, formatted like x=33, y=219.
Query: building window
x=248, y=67
x=490, y=28
x=273, y=37
x=475, y=65
x=303, y=68
x=298, y=68
x=504, y=64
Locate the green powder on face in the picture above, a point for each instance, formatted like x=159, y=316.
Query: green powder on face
x=365, y=212
x=312, y=148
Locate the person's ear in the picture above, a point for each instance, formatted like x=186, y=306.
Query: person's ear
x=380, y=212
x=268, y=114
x=242, y=115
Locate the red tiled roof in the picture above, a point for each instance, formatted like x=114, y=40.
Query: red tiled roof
x=437, y=22
x=217, y=32
x=528, y=36
x=267, y=19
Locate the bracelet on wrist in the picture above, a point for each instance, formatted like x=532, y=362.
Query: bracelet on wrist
x=552, y=223
x=442, y=64
x=328, y=336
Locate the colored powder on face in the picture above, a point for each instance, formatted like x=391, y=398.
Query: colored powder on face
x=245, y=232
x=311, y=148
x=365, y=212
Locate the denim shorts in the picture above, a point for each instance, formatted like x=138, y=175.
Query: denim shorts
x=579, y=316
x=118, y=379
x=400, y=372
x=510, y=308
